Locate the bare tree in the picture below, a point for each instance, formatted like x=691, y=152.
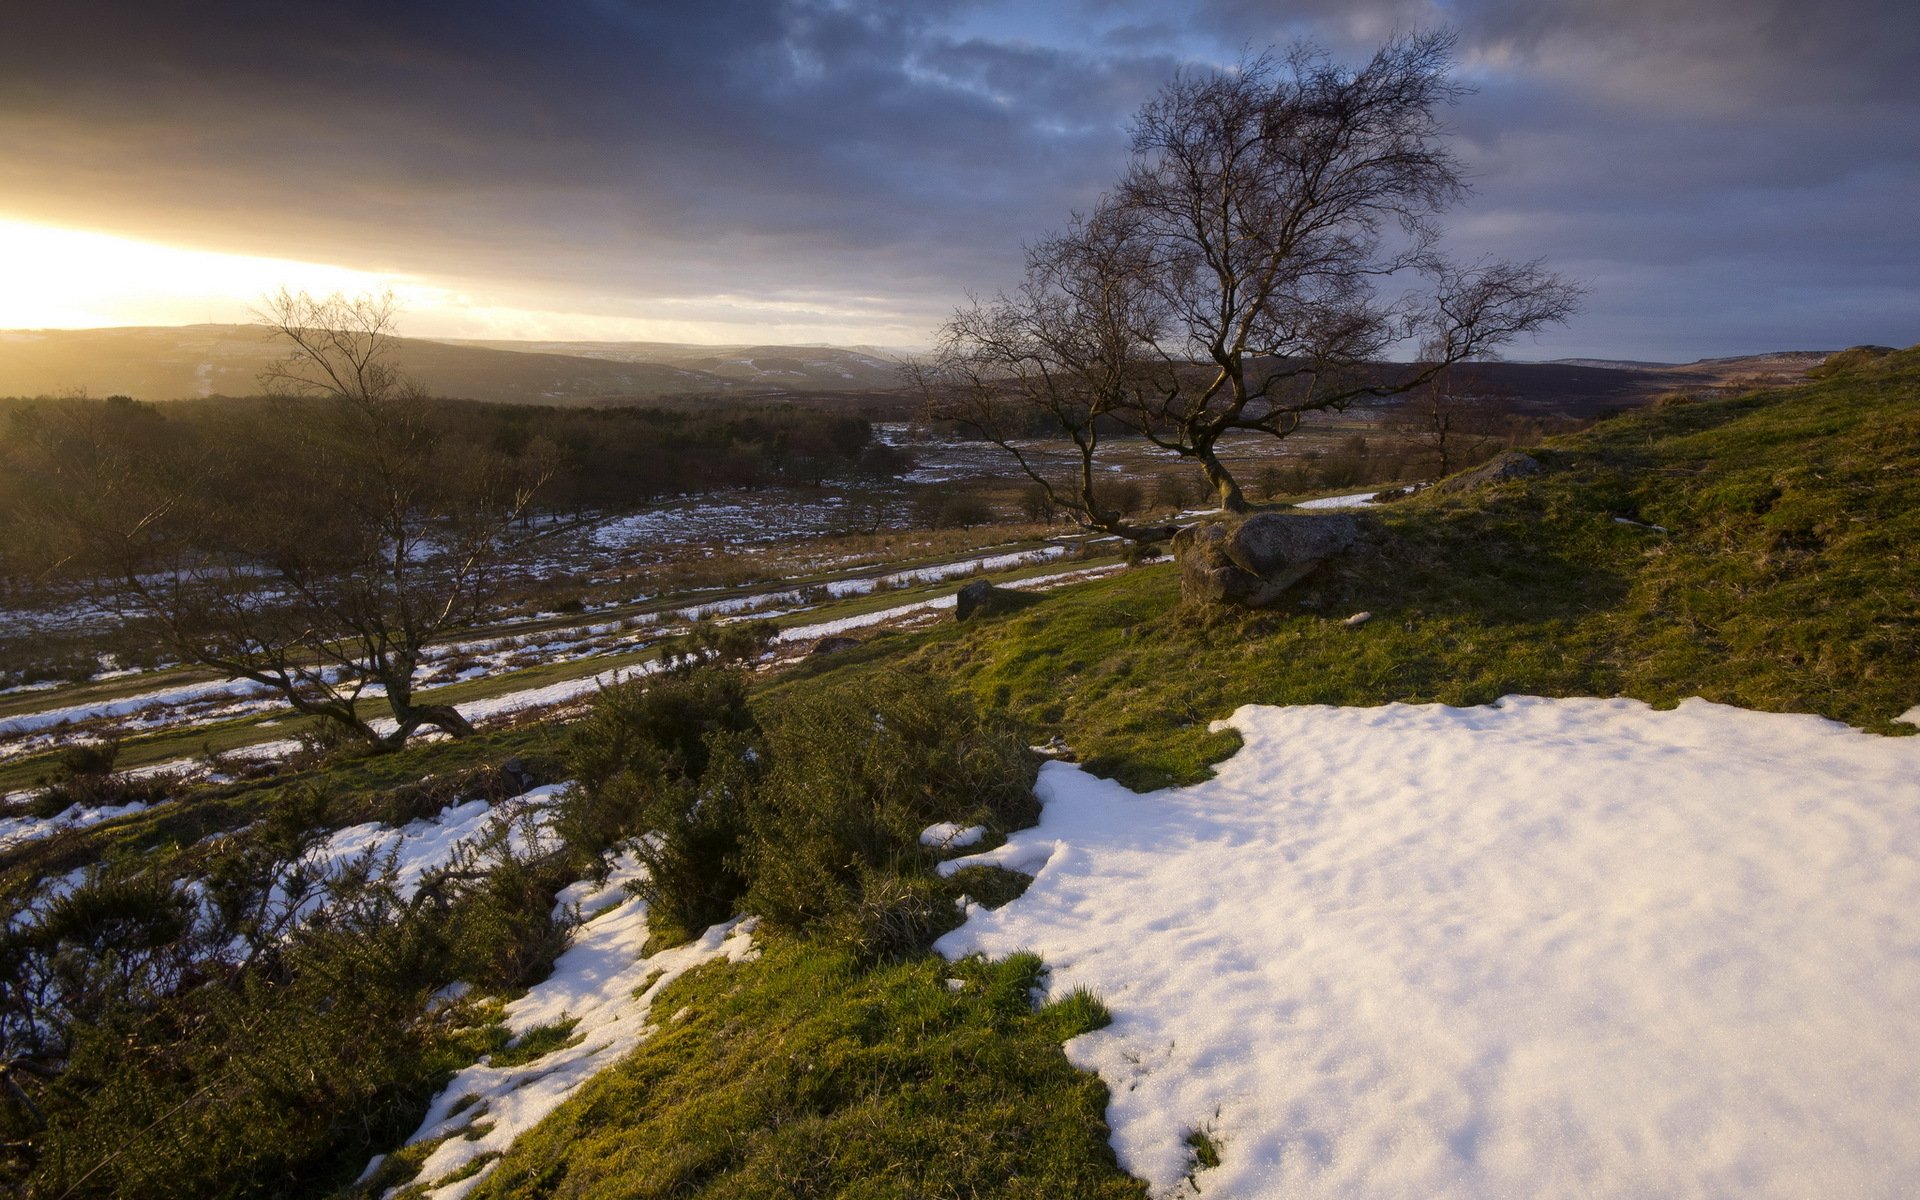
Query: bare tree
x=1253, y=246
x=325, y=548
x=1058, y=359
x=1453, y=421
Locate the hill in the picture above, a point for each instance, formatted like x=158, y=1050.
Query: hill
x=1755, y=550
x=168, y=363
x=812, y=368
x=172, y=362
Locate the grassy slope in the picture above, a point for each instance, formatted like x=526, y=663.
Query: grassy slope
x=1788, y=580
x=804, y=1074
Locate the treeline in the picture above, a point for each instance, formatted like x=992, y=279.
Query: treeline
x=617, y=457
x=607, y=457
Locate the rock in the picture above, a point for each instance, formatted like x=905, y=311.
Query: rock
x=1510, y=464
x=1357, y=620
x=832, y=645
x=975, y=597
x=1252, y=562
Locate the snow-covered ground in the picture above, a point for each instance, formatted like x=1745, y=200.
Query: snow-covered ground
x=413, y=851
x=603, y=984
x=192, y=704
x=1356, y=500
x=15, y=831
x=568, y=690
x=1540, y=948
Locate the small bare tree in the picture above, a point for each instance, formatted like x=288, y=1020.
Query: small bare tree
x=1453, y=421
x=1058, y=359
x=322, y=550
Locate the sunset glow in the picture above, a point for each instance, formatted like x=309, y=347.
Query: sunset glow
x=53, y=278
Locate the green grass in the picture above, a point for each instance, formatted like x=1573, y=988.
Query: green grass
x=807, y=1074
x=1787, y=580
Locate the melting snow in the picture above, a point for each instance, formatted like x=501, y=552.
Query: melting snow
x=601, y=982
x=1356, y=500
x=1541, y=948
x=16, y=831
x=946, y=835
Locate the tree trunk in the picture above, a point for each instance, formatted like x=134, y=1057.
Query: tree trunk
x=1221, y=480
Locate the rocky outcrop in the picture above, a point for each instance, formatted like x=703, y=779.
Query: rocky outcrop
x=1511, y=464
x=1251, y=562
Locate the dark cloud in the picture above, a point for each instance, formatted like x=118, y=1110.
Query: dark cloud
x=1726, y=173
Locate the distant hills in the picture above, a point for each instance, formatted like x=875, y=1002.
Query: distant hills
x=807, y=368
x=171, y=362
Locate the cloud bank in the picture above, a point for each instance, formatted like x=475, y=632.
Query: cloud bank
x=1727, y=176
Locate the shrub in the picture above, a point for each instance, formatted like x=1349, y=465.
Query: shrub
x=670, y=759
x=856, y=774
x=87, y=760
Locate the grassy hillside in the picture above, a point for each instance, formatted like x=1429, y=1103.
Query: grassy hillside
x=1757, y=551
x=173, y=362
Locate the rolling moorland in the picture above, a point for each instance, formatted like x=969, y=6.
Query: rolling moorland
x=329, y=973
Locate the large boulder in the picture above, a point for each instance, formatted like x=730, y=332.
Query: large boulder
x=976, y=597
x=1251, y=562
x=1509, y=464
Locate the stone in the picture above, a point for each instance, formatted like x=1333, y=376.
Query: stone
x=975, y=597
x=1508, y=465
x=1357, y=620
x=1253, y=562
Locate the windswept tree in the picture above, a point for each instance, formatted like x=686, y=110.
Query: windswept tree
x=1273, y=238
x=322, y=549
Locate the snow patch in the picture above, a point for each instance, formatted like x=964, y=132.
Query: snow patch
x=1545, y=947
x=945, y=835
x=1355, y=500
x=603, y=984
x=16, y=831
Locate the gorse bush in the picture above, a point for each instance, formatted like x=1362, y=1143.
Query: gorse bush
x=644, y=769
x=237, y=1020
x=856, y=775
x=808, y=816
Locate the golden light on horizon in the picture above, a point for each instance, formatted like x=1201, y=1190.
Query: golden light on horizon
x=53, y=277
x=58, y=278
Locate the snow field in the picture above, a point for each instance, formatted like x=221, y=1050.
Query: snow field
x=1539, y=948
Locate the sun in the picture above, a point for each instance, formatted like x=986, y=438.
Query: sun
x=58, y=278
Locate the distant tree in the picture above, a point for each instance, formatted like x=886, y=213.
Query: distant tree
x=1452, y=422
x=1036, y=505
x=1124, y=496
x=1229, y=284
x=323, y=548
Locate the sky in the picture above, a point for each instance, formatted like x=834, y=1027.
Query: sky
x=1725, y=176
